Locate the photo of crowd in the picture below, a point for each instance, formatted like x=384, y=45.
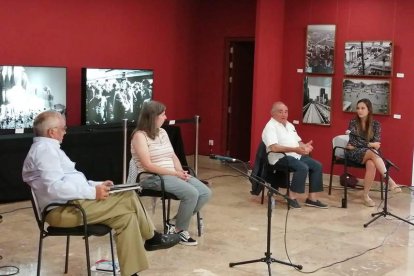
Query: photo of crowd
x=25, y=91
x=115, y=94
x=320, y=47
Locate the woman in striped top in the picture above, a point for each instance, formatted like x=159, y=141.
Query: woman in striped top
x=152, y=151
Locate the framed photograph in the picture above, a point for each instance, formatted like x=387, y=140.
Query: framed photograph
x=111, y=95
x=368, y=58
x=378, y=91
x=316, y=107
x=320, y=48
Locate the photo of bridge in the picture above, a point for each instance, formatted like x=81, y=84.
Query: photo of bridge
x=317, y=93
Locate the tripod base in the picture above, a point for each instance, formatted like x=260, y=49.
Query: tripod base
x=384, y=214
x=268, y=260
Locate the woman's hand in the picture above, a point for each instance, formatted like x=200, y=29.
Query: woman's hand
x=375, y=145
x=182, y=174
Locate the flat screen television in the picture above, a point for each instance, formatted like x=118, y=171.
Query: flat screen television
x=28, y=90
x=111, y=95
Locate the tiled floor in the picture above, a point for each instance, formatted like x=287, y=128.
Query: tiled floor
x=235, y=230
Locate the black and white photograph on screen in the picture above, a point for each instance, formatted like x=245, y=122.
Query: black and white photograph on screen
x=320, y=48
x=376, y=90
x=368, y=58
x=116, y=94
x=27, y=90
x=316, y=107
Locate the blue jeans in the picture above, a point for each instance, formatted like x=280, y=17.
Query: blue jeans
x=301, y=168
x=193, y=194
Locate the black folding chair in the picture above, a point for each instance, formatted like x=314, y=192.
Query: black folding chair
x=86, y=230
x=338, y=157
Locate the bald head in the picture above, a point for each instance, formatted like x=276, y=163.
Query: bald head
x=277, y=106
x=45, y=121
x=279, y=112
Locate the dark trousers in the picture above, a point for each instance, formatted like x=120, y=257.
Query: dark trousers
x=301, y=168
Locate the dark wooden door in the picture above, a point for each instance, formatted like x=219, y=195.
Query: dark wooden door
x=240, y=90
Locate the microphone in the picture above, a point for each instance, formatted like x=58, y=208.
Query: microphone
x=349, y=132
x=223, y=158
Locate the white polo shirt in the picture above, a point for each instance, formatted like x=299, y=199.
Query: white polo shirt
x=276, y=133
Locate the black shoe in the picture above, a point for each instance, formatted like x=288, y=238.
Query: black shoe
x=294, y=204
x=316, y=204
x=161, y=241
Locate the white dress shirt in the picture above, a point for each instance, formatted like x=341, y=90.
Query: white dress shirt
x=276, y=133
x=52, y=175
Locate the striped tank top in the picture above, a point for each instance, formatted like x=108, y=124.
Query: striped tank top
x=160, y=150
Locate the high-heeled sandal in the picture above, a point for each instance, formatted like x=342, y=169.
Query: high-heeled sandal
x=369, y=202
x=395, y=189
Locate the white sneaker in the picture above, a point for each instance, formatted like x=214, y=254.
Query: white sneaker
x=185, y=238
x=170, y=227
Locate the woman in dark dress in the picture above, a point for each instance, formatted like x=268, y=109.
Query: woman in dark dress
x=364, y=139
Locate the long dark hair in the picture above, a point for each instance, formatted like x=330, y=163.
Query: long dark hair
x=146, y=120
x=367, y=129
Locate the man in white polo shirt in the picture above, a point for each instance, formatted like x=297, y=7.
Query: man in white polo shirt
x=279, y=135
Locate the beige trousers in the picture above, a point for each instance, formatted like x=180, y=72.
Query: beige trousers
x=122, y=212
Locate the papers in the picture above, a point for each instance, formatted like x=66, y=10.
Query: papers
x=105, y=266
x=124, y=187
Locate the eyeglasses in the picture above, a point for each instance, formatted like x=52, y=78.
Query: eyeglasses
x=61, y=128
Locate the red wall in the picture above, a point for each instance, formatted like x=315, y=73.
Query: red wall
x=184, y=42
x=152, y=34
x=217, y=21
x=354, y=20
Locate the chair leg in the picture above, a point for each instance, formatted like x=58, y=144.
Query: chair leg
x=263, y=191
x=88, y=261
x=199, y=224
x=330, y=180
x=112, y=254
x=164, y=216
x=39, y=255
x=67, y=254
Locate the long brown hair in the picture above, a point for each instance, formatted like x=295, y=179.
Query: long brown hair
x=366, y=130
x=146, y=120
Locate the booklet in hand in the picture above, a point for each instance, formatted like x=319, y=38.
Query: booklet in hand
x=124, y=187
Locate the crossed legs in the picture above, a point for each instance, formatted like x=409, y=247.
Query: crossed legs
x=373, y=163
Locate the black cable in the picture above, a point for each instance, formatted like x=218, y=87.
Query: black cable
x=223, y=175
x=22, y=208
x=337, y=262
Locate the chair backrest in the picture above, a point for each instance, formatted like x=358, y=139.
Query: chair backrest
x=340, y=141
x=174, y=133
x=36, y=209
x=132, y=172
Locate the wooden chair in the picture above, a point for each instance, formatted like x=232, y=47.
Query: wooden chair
x=86, y=230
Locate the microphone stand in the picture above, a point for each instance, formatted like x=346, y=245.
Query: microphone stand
x=388, y=165
x=385, y=212
x=267, y=259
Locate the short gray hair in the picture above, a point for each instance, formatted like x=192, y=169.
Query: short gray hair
x=44, y=121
